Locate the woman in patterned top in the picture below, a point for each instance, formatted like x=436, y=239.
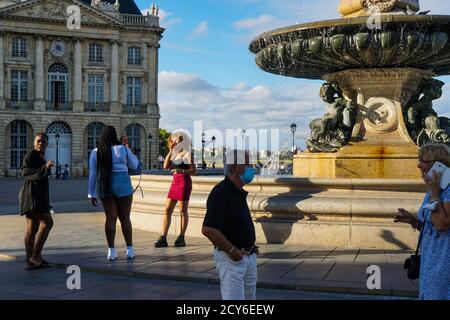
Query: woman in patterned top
x=434, y=222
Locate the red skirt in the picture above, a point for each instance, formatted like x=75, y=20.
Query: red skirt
x=181, y=187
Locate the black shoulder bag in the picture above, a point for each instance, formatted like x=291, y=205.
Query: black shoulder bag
x=412, y=264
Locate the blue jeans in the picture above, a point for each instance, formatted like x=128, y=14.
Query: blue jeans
x=237, y=279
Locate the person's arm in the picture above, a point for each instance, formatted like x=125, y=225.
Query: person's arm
x=216, y=210
x=168, y=161
x=133, y=161
x=441, y=217
x=31, y=172
x=404, y=216
x=219, y=241
x=92, y=193
x=440, y=214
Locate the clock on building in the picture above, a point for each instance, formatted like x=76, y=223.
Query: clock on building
x=58, y=48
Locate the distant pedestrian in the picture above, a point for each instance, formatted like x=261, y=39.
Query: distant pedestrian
x=35, y=201
x=109, y=180
x=229, y=226
x=181, y=162
x=58, y=171
x=66, y=172
x=433, y=220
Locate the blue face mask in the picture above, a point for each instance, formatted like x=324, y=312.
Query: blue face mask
x=248, y=176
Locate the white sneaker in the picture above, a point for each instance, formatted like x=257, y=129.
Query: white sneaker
x=112, y=254
x=130, y=253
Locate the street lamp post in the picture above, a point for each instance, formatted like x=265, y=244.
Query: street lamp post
x=150, y=140
x=213, y=139
x=293, y=130
x=243, y=137
x=203, y=151
x=57, y=136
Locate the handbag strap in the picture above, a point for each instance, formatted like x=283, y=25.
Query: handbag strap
x=140, y=176
x=420, y=240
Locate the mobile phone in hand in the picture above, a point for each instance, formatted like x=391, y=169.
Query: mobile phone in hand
x=441, y=168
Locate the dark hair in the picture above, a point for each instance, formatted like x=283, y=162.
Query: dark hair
x=42, y=135
x=107, y=140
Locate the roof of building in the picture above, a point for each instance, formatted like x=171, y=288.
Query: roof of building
x=126, y=6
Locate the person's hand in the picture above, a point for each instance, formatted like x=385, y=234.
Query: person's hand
x=432, y=184
x=236, y=255
x=404, y=216
x=172, y=145
x=49, y=164
x=94, y=202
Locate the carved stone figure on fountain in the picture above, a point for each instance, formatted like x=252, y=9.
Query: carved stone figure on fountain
x=424, y=124
x=354, y=8
x=334, y=129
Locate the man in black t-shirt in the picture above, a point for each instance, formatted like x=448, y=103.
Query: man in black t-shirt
x=229, y=226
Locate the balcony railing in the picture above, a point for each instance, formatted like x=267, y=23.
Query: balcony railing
x=19, y=105
x=67, y=106
x=132, y=19
x=135, y=109
x=96, y=107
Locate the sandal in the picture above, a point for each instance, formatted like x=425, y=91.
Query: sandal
x=45, y=264
x=32, y=266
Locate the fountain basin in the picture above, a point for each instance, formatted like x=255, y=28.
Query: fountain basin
x=331, y=212
x=315, y=49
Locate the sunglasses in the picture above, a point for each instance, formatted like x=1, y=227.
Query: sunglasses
x=41, y=141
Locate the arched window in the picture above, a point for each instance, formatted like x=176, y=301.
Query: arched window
x=58, y=68
x=58, y=78
x=58, y=127
x=94, y=130
x=19, y=143
x=133, y=132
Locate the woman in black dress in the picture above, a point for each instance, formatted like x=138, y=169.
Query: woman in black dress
x=35, y=202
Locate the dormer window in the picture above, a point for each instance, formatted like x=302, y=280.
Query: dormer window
x=19, y=48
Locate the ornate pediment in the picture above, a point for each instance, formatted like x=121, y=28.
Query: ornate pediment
x=57, y=10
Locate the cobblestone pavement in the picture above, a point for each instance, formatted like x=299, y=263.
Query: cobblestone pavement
x=78, y=239
x=60, y=190
x=18, y=284
x=65, y=196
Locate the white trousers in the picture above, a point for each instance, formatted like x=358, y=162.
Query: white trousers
x=237, y=279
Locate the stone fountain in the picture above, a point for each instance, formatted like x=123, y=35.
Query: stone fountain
x=378, y=62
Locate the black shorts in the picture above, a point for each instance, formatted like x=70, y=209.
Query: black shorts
x=36, y=215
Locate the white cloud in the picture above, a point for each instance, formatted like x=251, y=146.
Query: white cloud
x=186, y=98
x=200, y=31
x=255, y=23
x=166, y=18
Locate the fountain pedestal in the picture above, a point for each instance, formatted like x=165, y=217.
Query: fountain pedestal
x=380, y=147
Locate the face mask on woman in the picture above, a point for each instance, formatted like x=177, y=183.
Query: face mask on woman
x=248, y=176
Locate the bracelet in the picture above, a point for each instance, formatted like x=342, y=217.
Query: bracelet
x=231, y=250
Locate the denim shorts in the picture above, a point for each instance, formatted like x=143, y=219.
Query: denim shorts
x=121, y=185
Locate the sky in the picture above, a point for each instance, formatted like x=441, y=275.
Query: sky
x=207, y=73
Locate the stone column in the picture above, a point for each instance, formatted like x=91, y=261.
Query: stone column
x=78, y=79
x=116, y=106
x=152, y=96
x=2, y=80
x=39, y=100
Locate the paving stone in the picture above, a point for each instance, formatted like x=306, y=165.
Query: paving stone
x=311, y=270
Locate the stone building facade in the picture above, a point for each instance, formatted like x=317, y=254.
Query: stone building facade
x=70, y=67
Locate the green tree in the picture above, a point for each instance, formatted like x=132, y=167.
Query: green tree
x=163, y=138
